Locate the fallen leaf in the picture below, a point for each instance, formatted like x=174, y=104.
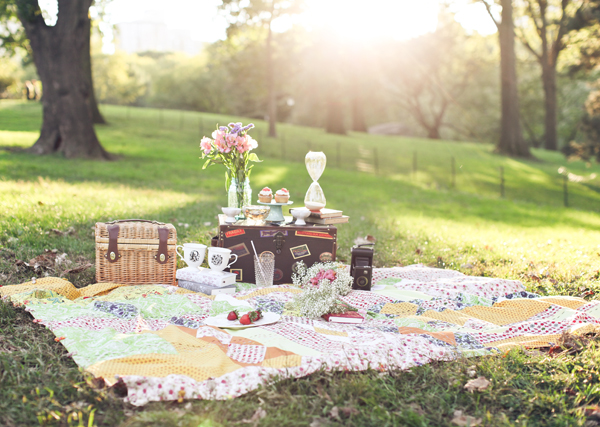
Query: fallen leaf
x=335, y=412
x=465, y=420
x=479, y=384
x=259, y=414
x=318, y=422
x=418, y=251
x=79, y=269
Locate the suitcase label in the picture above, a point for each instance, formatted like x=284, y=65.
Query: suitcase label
x=300, y=251
x=241, y=250
x=272, y=233
x=236, y=232
x=314, y=234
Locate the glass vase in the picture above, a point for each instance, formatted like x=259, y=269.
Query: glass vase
x=238, y=195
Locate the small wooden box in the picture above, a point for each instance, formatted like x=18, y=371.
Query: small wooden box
x=136, y=252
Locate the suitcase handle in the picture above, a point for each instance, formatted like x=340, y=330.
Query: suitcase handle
x=135, y=220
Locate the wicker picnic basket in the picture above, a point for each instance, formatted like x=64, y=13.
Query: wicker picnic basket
x=136, y=252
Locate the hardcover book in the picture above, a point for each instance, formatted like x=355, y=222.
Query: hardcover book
x=335, y=220
x=326, y=213
x=347, y=317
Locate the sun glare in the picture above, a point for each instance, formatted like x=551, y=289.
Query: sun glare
x=360, y=19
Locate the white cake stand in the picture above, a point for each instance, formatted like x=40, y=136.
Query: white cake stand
x=276, y=212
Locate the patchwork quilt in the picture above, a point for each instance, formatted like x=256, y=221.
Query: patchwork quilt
x=154, y=339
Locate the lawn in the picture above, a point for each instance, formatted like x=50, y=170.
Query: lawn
x=418, y=215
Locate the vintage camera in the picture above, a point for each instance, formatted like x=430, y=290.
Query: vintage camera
x=361, y=267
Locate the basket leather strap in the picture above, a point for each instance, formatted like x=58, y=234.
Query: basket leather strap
x=162, y=257
x=112, y=254
x=135, y=220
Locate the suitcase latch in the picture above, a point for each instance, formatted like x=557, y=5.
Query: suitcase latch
x=279, y=241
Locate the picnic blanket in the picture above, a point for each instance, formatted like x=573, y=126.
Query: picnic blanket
x=154, y=339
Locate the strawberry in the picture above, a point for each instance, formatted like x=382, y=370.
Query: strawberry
x=254, y=315
x=245, y=319
x=233, y=315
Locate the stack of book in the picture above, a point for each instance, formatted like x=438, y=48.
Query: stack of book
x=327, y=216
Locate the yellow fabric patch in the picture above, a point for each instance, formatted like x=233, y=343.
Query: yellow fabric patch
x=568, y=302
x=330, y=332
x=449, y=316
x=182, y=341
x=283, y=362
x=507, y=311
x=60, y=286
x=201, y=364
x=98, y=289
x=400, y=309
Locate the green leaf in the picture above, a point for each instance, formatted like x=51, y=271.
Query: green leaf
x=254, y=158
x=206, y=164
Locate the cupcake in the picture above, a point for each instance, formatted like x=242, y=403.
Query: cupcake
x=265, y=195
x=282, y=196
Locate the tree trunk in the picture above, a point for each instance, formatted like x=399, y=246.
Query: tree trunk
x=549, y=83
x=335, y=118
x=272, y=99
x=58, y=53
x=511, y=140
x=433, y=132
x=89, y=81
x=358, y=112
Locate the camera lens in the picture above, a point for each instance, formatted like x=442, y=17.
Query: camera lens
x=362, y=281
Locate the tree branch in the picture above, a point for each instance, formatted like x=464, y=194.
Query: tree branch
x=533, y=18
x=489, y=11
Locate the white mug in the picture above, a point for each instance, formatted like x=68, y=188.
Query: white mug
x=193, y=253
x=218, y=258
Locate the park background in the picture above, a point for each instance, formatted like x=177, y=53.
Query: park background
x=458, y=184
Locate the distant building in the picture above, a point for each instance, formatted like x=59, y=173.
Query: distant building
x=142, y=36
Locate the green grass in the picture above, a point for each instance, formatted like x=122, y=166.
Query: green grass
x=416, y=218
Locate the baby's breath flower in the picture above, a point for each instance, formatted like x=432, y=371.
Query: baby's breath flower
x=322, y=297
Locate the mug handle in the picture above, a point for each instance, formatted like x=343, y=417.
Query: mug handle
x=233, y=262
x=176, y=250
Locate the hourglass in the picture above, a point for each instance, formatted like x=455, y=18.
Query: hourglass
x=315, y=164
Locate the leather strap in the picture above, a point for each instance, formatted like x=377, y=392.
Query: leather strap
x=135, y=220
x=112, y=255
x=162, y=256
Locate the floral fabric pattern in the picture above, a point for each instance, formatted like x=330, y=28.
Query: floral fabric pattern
x=154, y=338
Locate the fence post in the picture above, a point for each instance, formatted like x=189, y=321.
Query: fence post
x=339, y=155
x=566, y=190
x=414, y=164
x=453, y=163
x=375, y=161
x=502, y=181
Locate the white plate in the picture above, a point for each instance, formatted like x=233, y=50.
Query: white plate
x=221, y=321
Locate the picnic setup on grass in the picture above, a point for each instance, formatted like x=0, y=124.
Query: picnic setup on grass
x=266, y=299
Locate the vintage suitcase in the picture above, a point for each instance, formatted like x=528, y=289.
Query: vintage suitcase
x=289, y=243
x=136, y=252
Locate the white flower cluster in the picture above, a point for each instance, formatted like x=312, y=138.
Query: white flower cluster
x=323, y=297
